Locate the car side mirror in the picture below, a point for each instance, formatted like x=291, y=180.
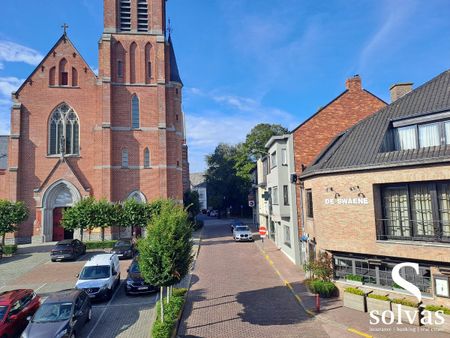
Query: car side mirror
x=12, y=318
x=77, y=275
x=29, y=318
x=114, y=273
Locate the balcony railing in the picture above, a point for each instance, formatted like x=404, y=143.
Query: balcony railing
x=432, y=231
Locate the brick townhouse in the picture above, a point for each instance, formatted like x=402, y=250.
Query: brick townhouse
x=380, y=193
x=117, y=135
x=308, y=140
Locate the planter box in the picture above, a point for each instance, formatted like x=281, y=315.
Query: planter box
x=377, y=304
x=354, y=282
x=400, y=311
x=355, y=302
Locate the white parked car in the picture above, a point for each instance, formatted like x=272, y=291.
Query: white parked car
x=100, y=276
x=242, y=233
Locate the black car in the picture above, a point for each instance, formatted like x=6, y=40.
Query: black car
x=62, y=314
x=67, y=249
x=134, y=283
x=124, y=248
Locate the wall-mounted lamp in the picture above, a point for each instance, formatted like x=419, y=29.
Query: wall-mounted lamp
x=337, y=195
x=328, y=189
x=361, y=195
x=354, y=188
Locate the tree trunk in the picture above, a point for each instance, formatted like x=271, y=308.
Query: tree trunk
x=103, y=234
x=3, y=239
x=167, y=294
x=162, y=303
x=81, y=234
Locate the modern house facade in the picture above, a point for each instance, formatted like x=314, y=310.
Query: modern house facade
x=314, y=134
x=379, y=194
x=282, y=214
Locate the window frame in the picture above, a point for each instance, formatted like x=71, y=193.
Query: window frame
x=64, y=110
x=284, y=157
x=444, y=139
x=285, y=195
x=275, y=197
x=273, y=160
x=309, y=204
x=135, y=112
x=287, y=235
x=125, y=162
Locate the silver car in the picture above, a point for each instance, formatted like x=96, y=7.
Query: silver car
x=242, y=233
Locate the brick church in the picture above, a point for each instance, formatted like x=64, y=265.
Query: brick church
x=116, y=135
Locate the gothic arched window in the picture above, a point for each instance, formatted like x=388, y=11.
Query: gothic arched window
x=146, y=158
x=135, y=112
x=63, y=74
x=148, y=63
x=64, y=131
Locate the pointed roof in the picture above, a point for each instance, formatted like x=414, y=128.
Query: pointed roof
x=64, y=38
x=174, y=73
x=360, y=147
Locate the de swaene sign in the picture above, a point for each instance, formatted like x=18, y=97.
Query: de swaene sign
x=347, y=201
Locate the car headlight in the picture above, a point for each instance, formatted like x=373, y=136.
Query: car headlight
x=61, y=334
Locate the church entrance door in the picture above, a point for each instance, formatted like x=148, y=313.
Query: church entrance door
x=59, y=233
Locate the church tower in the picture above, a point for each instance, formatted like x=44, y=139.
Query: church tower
x=142, y=123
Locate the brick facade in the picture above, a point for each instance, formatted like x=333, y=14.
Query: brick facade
x=312, y=136
x=131, y=64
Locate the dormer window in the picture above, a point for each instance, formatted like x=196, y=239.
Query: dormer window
x=422, y=135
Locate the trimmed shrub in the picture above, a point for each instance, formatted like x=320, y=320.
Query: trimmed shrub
x=354, y=291
x=9, y=250
x=355, y=278
x=171, y=313
x=323, y=288
x=404, y=301
x=379, y=297
x=99, y=244
x=435, y=308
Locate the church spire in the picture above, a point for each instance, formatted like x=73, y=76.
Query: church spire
x=174, y=72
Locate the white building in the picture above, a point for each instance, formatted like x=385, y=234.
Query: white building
x=198, y=183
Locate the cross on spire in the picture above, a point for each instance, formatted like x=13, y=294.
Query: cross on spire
x=65, y=26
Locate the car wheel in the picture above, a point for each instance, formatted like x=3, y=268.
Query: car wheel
x=53, y=260
x=89, y=316
x=109, y=294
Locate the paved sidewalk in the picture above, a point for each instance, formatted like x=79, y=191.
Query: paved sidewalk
x=334, y=317
x=235, y=293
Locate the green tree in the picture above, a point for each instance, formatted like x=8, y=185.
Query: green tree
x=81, y=216
x=11, y=215
x=165, y=254
x=253, y=148
x=134, y=214
x=225, y=187
x=105, y=215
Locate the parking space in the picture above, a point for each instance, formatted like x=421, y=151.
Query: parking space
x=122, y=316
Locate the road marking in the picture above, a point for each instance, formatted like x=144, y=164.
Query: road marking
x=40, y=287
x=104, y=310
x=362, y=334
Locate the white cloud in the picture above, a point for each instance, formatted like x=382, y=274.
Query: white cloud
x=14, y=52
x=7, y=85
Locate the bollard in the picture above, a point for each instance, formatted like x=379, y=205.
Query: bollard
x=317, y=303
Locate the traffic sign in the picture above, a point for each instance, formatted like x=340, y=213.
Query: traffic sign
x=251, y=204
x=262, y=231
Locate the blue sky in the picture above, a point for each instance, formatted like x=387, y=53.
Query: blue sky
x=249, y=61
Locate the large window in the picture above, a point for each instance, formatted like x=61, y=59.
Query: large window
x=309, y=204
x=64, y=131
x=275, y=195
x=379, y=272
x=273, y=159
x=418, y=211
x=284, y=160
x=422, y=135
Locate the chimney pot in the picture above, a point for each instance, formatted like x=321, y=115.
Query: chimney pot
x=399, y=89
x=353, y=83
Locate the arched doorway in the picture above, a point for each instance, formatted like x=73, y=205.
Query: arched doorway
x=60, y=195
x=139, y=197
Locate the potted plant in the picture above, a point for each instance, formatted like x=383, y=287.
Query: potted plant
x=406, y=310
x=355, y=299
x=446, y=315
x=354, y=279
x=380, y=303
x=325, y=289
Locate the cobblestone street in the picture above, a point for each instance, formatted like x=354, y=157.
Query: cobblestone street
x=235, y=293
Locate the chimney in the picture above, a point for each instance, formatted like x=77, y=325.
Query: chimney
x=399, y=89
x=353, y=83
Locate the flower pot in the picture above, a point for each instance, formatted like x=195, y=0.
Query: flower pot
x=378, y=305
x=354, y=282
x=355, y=302
x=402, y=311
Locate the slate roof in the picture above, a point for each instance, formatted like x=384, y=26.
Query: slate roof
x=359, y=148
x=4, y=152
x=174, y=73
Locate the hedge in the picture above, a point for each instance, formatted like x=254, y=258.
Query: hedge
x=99, y=244
x=379, y=297
x=355, y=291
x=171, y=313
x=323, y=288
x=405, y=302
x=435, y=308
x=9, y=250
x=355, y=278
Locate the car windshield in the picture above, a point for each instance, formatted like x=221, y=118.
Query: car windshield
x=122, y=243
x=3, y=312
x=53, y=312
x=134, y=268
x=95, y=272
x=242, y=228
